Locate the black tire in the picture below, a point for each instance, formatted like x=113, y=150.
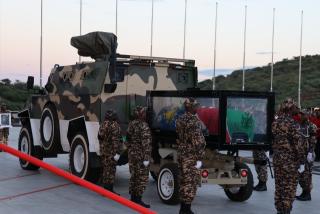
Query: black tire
x=25, y=145
x=50, y=140
x=171, y=171
x=123, y=160
x=244, y=192
x=79, y=146
x=154, y=176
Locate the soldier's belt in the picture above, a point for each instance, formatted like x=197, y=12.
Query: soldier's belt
x=283, y=146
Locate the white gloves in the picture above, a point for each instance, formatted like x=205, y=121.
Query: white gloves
x=146, y=163
x=310, y=157
x=301, y=168
x=198, y=165
x=116, y=157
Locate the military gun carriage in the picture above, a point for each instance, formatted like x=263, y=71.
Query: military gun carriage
x=232, y=121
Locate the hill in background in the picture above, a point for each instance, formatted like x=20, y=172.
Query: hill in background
x=285, y=82
x=14, y=95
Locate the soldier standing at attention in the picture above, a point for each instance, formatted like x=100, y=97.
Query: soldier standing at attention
x=191, y=149
x=110, y=147
x=4, y=132
x=260, y=160
x=308, y=139
x=288, y=156
x=139, y=154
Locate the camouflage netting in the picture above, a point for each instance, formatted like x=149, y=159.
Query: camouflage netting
x=97, y=45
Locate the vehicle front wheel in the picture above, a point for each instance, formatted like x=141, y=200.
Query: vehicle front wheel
x=80, y=159
x=168, y=183
x=242, y=193
x=25, y=145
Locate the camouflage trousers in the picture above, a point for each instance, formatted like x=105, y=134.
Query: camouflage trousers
x=305, y=178
x=189, y=179
x=261, y=170
x=109, y=169
x=286, y=181
x=4, y=134
x=139, y=177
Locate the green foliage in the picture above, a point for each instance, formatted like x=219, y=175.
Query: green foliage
x=14, y=95
x=285, y=82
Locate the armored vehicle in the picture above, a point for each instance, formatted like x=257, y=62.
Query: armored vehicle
x=65, y=116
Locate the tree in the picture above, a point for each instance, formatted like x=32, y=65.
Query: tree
x=6, y=81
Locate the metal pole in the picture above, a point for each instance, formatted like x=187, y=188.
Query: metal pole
x=41, y=32
x=151, y=41
x=299, y=90
x=273, y=20
x=244, y=49
x=215, y=50
x=185, y=28
x=116, y=17
x=80, y=24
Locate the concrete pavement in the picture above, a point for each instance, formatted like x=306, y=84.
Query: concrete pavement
x=26, y=192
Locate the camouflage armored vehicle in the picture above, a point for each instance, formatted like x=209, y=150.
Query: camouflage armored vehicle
x=65, y=116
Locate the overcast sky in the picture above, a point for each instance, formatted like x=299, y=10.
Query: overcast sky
x=20, y=31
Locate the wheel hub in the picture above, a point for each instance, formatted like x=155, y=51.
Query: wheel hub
x=167, y=184
x=24, y=145
x=78, y=158
x=47, y=128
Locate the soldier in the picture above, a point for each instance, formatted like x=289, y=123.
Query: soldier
x=260, y=163
x=308, y=139
x=287, y=158
x=139, y=154
x=4, y=132
x=191, y=149
x=110, y=147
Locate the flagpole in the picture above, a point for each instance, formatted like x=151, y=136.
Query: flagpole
x=185, y=28
x=151, y=41
x=116, y=17
x=41, y=39
x=244, y=49
x=300, y=62
x=215, y=50
x=272, y=52
x=80, y=24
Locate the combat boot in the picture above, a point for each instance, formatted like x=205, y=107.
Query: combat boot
x=286, y=211
x=138, y=200
x=109, y=187
x=261, y=186
x=185, y=209
x=305, y=196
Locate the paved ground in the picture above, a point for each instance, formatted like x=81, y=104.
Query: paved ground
x=24, y=192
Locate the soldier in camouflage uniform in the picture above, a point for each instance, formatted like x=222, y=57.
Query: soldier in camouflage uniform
x=139, y=154
x=4, y=132
x=110, y=147
x=191, y=149
x=260, y=160
x=308, y=140
x=288, y=156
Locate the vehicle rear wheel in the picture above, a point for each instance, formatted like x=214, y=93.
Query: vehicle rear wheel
x=242, y=193
x=168, y=183
x=80, y=159
x=25, y=145
x=49, y=129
